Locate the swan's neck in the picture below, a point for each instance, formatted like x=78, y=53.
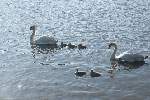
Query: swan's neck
x=32, y=37
x=114, y=53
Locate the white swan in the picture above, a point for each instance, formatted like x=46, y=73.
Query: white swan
x=42, y=40
x=126, y=56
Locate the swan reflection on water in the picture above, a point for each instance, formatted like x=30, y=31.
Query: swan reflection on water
x=128, y=66
x=132, y=65
x=43, y=49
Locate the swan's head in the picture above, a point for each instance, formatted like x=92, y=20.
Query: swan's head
x=111, y=44
x=32, y=28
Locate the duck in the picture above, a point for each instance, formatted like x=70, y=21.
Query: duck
x=79, y=73
x=126, y=56
x=94, y=74
x=63, y=45
x=71, y=46
x=48, y=40
x=80, y=46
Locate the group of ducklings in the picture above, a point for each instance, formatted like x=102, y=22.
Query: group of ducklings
x=92, y=73
x=72, y=46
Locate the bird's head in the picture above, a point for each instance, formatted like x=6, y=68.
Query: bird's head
x=111, y=44
x=32, y=28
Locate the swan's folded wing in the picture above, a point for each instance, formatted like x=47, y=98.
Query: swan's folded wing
x=130, y=57
x=46, y=40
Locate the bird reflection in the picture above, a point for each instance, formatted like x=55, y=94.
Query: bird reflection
x=43, y=49
x=132, y=65
x=112, y=69
x=124, y=66
x=114, y=65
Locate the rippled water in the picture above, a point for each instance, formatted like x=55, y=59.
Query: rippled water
x=28, y=73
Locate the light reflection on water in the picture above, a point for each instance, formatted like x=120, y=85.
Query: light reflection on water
x=37, y=73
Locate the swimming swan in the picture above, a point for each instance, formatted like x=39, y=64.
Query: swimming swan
x=42, y=40
x=126, y=56
x=80, y=73
x=94, y=74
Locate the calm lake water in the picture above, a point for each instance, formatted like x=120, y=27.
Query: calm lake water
x=28, y=73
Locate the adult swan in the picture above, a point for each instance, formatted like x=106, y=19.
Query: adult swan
x=49, y=40
x=126, y=56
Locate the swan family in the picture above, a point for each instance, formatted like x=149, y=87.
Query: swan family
x=124, y=57
x=49, y=40
x=127, y=56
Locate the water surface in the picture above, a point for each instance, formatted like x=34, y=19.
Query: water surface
x=48, y=74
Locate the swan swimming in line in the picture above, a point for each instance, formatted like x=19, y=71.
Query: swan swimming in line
x=126, y=56
x=80, y=73
x=42, y=40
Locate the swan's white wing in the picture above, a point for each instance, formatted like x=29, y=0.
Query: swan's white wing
x=130, y=57
x=46, y=40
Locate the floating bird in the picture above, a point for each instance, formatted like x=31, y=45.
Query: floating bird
x=126, y=56
x=80, y=73
x=72, y=46
x=94, y=74
x=80, y=46
x=63, y=45
x=42, y=40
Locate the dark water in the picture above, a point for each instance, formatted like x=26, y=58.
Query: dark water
x=28, y=73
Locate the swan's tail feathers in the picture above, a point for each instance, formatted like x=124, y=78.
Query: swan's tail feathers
x=145, y=57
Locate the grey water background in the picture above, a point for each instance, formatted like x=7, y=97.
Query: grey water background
x=28, y=73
